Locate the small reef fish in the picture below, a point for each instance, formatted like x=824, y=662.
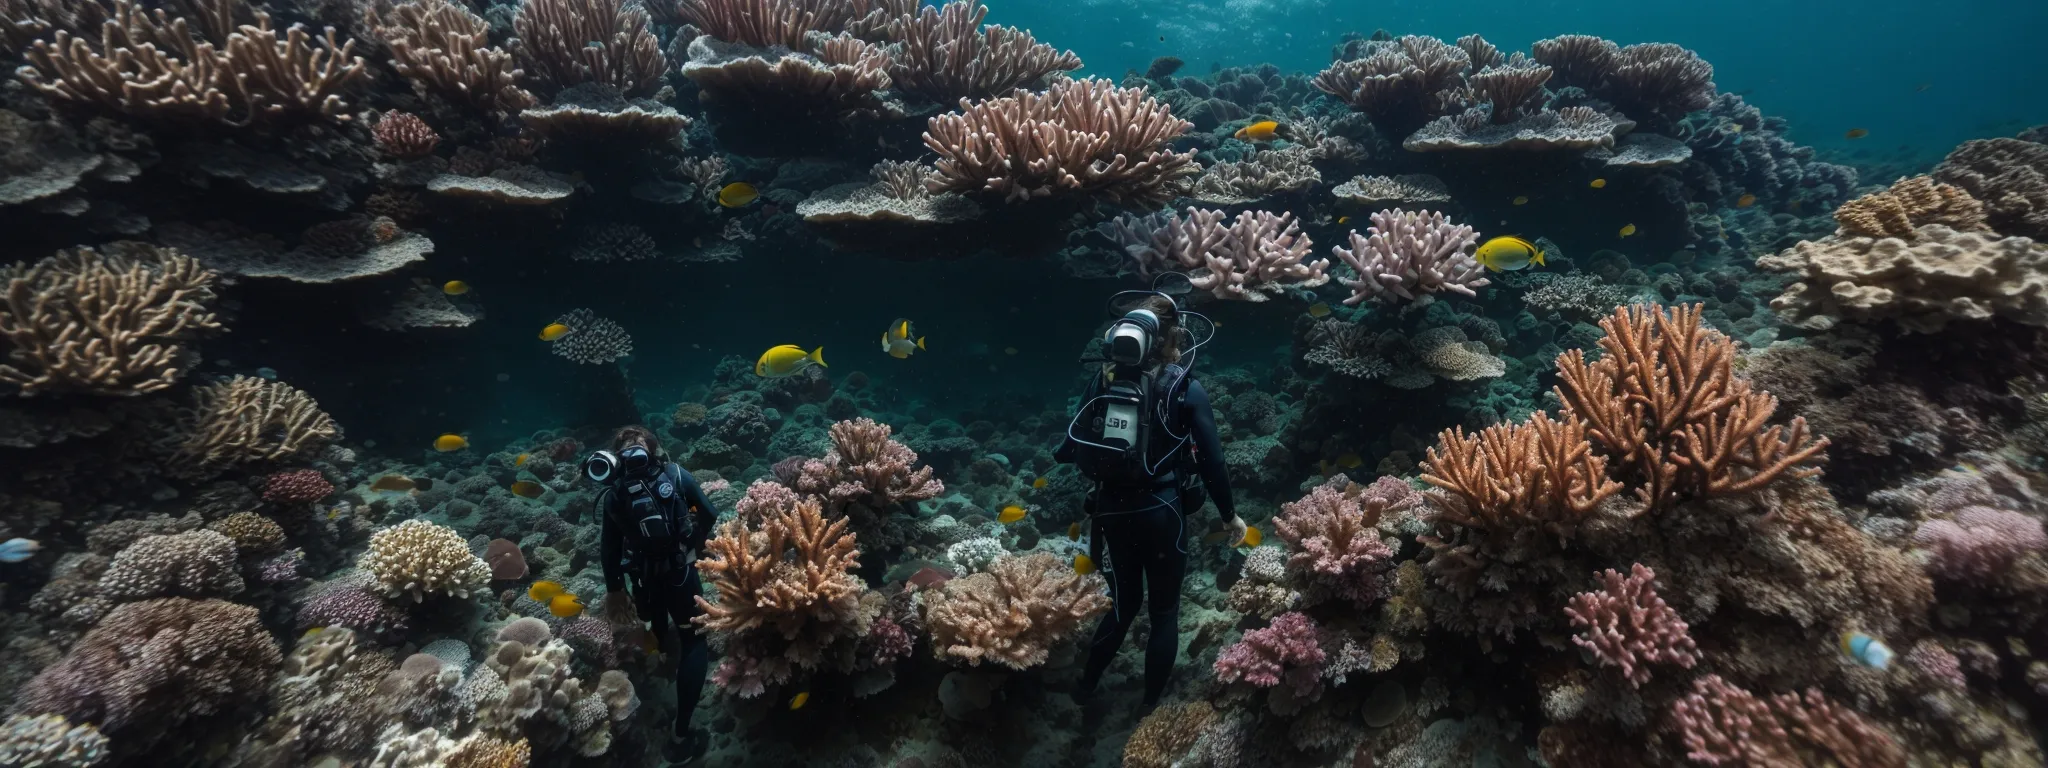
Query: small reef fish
x=1039, y=483
x=798, y=701
x=1084, y=565
x=1508, y=253
x=1599, y=184
x=527, y=489
x=1521, y=200
x=1745, y=201
x=520, y=461
x=394, y=483
x=1350, y=461
x=1343, y=220
x=1263, y=130
x=17, y=550
x=455, y=287
x=1628, y=229
x=1252, y=537
x=1855, y=133
x=544, y=591
x=1867, y=650
x=311, y=631
x=1011, y=514
x=737, y=194
x=1073, y=532
x=565, y=606
x=1319, y=310
x=450, y=442
x=787, y=360
x=553, y=331
x=897, y=343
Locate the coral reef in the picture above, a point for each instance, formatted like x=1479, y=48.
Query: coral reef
x=1079, y=137
x=1013, y=613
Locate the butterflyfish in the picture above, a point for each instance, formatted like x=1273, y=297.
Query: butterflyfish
x=450, y=442
x=787, y=360
x=1319, y=309
x=527, y=489
x=798, y=701
x=1252, y=537
x=737, y=194
x=897, y=342
x=1508, y=253
x=1866, y=650
x=455, y=287
x=1039, y=483
x=393, y=483
x=1263, y=130
x=1521, y=200
x=1084, y=565
x=544, y=591
x=1010, y=514
x=1599, y=184
x=1073, y=532
x=17, y=550
x=553, y=331
x=1745, y=201
x=520, y=460
x=565, y=606
x=1856, y=133
x=1628, y=229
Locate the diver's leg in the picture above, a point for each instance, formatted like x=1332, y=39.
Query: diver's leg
x=1126, y=592
x=695, y=656
x=1164, y=570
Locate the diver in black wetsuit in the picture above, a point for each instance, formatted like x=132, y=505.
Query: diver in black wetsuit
x=1147, y=436
x=655, y=519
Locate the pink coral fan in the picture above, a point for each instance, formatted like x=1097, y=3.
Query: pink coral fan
x=298, y=486
x=1979, y=544
x=1334, y=535
x=1626, y=625
x=1288, y=651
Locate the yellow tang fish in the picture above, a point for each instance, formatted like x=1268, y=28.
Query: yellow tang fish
x=566, y=606
x=1084, y=565
x=1599, y=184
x=787, y=360
x=1263, y=130
x=450, y=442
x=1039, y=483
x=798, y=701
x=896, y=341
x=1073, y=531
x=543, y=591
x=393, y=483
x=737, y=194
x=455, y=287
x=1628, y=229
x=1319, y=309
x=527, y=489
x=520, y=461
x=554, y=331
x=1521, y=200
x=1508, y=253
x=1011, y=514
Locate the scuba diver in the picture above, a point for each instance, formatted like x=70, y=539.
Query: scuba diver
x=655, y=520
x=1146, y=435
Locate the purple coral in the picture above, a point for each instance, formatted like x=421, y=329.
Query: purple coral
x=593, y=637
x=1979, y=544
x=352, y=606
x=884, y=644
x=154, y=664
x=1335, y=539
x=1937, y=663
x=1625, y=624
x=1407, y=253
x=1288, y=651
x=282, y=569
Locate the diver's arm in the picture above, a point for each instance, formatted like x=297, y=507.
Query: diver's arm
x=611, y=543
x=1209, y=450
x=701, y=507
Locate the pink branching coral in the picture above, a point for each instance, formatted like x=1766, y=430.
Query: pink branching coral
x=944, y=54
x=864, y=469
x=786, y=593
x=298, y=486
x=1286, y=651
x=1013, y=613
x=1405, y=253
x=404, y=135
x=568, y=42
x=1259, y=253
x=1979, y=544
x=1625, y=624
x=1334, y=538
x=1722, y=724
x=1078, y=138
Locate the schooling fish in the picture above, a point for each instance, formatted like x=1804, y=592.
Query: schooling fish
x=554, y=331
x=451, y=442
x=1263, y=130
x=455, y=287
x=787, y=360
x=897, y=340
x=1867, y=650
x=1010, y=514
x=527, y=489
x=1508, y=253
x=565, y=606
x=737, y=194
x=17, y=550
x=394, y=483
x=544, y=591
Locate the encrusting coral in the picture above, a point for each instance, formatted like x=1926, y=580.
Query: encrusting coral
x=1013, y=613
x=110, y=321
x=417, y=559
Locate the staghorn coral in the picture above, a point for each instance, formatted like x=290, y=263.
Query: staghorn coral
x=786, y=593
x=570, y=42
x=1263, y=175
x=1907, y=204
x=1625, y=624
x=2010, y=176
x=1939, y=276
x=591, y=340
x=103, y=321
x=1405, y=253
x=51, y=741
x=1401, y=84
x=1541, y=472
x=944, y=54
x=1334, y=536
x=445, y=51
x=1084, y=138
x=1722, y=724
x=150, y=666
x=247, y=420
x=866, y=473
x=1259, y=253
x=417, y=558
x=1013, y=613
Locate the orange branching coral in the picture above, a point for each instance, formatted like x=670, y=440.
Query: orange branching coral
x=1078, y=138
x=1909, y=203
x=107, y=322
x=1539, y=472
x=792, y=574
x=1665, y=405
x=865, y=468
x=1013, y=613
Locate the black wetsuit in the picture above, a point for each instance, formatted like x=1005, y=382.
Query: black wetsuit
x=665, y=585
x=1143, y=528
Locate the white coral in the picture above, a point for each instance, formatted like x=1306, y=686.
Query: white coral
x=417, y=558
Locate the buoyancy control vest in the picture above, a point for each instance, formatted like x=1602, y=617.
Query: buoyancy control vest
x=1118, y=435
x=655, y=516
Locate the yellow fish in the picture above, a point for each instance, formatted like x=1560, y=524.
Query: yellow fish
x=787, y=360
x=1083, y=565
x=737, y=194
x=1010, y=514
x=544, y=591
x=1319, y=309
x=798, y=701
x=521, y=460
x=1508, y=253
x=554, y=331
x=311, y=631
x=1073, y=532
x=1599, y=184
x=455, y=287
x=1628, y=229
x=1039, y=483
x=1745, y=201
x=896, y=341
x=1521, y=200
x=566, y=606
x=1263, y=130
x=393, y=483
x=451, y=442
x=1252, y=537
x=1855, y=133
x=1343, y=219
x=527, y=489
x=1350, y=461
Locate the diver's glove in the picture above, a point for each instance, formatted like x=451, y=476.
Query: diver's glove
x=618, y=609
x=1237, y=529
